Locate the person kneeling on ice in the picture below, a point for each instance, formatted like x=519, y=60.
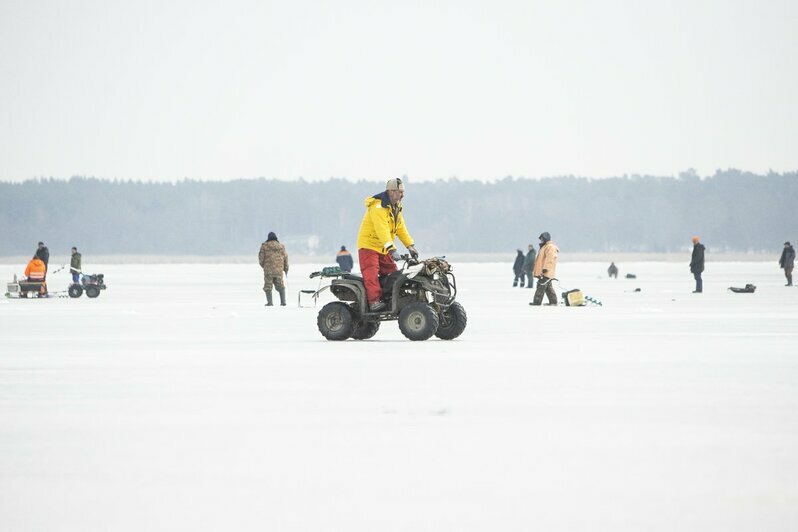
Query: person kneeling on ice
x=545, y=270
x=36, y=272
x=382, y=223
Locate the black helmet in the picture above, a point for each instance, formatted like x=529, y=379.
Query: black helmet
x=544, y=236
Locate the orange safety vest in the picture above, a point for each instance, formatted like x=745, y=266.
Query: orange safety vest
x=36, y=270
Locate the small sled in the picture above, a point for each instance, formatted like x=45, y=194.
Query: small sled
x=24, y=289
x=749, y=289
x=574, y=298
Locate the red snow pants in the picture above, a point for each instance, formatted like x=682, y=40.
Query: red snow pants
x=374, y=265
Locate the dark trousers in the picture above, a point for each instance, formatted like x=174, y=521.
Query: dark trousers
x=788, y=275
x=545, y=286
x=518, y=276
x=699, y=283
x=75, y=277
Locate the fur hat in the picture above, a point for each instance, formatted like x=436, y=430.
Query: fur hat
x=395, y=184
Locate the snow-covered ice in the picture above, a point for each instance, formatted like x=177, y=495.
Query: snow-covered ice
x=177, y=401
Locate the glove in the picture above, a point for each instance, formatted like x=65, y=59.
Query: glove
x=394, y=255
x=413, y=251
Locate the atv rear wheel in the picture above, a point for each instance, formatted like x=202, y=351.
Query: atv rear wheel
x=452, y=322
x=75, y=290
x=418, y=321
x=365, y=330
x=92, y=291
x=335, y=321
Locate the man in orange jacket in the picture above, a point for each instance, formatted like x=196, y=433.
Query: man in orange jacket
x=545, y=270
x=36, y=271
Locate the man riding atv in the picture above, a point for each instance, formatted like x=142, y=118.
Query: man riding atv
x=382, y=223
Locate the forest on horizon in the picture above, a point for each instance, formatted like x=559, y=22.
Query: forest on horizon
x=730, y=211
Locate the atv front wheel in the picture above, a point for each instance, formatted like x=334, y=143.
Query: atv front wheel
x=418, y=321
x=75, y=290
x=335, y=321
x=452, y=322
x=365, y=330
x=92, y=291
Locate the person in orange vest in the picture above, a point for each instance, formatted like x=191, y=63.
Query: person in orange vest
x=36, y=271
x=344, y=260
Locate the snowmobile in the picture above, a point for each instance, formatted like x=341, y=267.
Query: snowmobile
x=420, y=296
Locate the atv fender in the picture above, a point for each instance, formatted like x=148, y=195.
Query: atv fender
x=350, y=290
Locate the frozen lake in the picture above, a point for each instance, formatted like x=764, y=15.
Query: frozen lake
x=177, y=401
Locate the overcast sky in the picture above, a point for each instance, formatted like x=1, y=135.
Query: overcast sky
x=429, y=89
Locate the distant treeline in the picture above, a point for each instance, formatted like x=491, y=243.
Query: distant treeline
x=731, y=211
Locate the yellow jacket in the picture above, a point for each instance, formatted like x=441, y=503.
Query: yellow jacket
x=381, y=225
x=546, y=260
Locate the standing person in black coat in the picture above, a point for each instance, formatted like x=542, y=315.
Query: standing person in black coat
x=697, y=264
x=787, y=262
x=44, y=254
x=344, y=260
x=529, y=264
x=518, y=268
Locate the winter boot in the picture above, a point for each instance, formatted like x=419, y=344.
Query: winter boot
x=281, y=291
x=269, y=301
x=515, y=283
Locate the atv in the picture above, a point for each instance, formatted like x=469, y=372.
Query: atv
x=420, y=295
x=89, y=283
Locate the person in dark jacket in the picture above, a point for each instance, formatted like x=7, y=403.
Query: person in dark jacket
x=697, y=264
x=75, y=265
x=518, y=268
x=44, y=254
x=787, y=262
x=344, y=260
x=529, y=263
x=612, y=271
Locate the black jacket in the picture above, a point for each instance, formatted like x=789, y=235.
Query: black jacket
x=518, y=265
x=44, y=255
x=697, y=262
x=787, y=259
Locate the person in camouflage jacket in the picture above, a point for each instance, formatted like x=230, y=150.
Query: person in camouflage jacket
x=274, y=261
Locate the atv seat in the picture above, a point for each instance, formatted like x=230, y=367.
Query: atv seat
x=352, y=277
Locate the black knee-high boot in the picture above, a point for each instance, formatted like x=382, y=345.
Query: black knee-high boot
x=281, y=291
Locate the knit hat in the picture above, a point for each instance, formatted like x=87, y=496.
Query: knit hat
x=695, y=240
x=271, y=237
x=395, y=184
